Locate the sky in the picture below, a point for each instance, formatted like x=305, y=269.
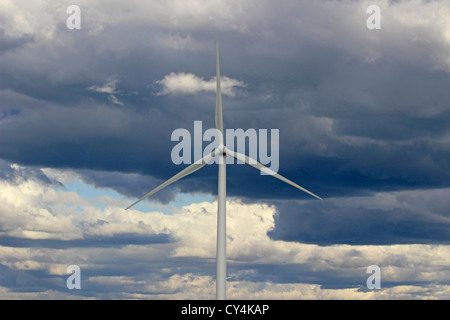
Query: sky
x=86, y=118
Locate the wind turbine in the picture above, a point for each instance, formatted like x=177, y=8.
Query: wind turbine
x=222, y=151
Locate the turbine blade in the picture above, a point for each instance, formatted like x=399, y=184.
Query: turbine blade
x=255, y=164
x=219, y=117
x=192, y=168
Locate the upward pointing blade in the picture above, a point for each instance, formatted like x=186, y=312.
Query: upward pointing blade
x=255, y=164
x=219, y=116
x=192, y=168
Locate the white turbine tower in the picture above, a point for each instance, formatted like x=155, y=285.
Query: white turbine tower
x=222, y=152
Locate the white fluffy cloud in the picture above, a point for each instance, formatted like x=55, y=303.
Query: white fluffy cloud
x=32, y=210
x=110, y=89
x=188, y=83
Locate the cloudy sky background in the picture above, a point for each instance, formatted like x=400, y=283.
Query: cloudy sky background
x=86, y=118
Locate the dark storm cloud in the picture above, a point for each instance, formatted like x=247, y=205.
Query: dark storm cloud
x=11, y=43
x=294, y=273
x=29, y=280
x=407, y=217
x=387, y=101
x=114, y=241
x=320, y=81
x=13, y=175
